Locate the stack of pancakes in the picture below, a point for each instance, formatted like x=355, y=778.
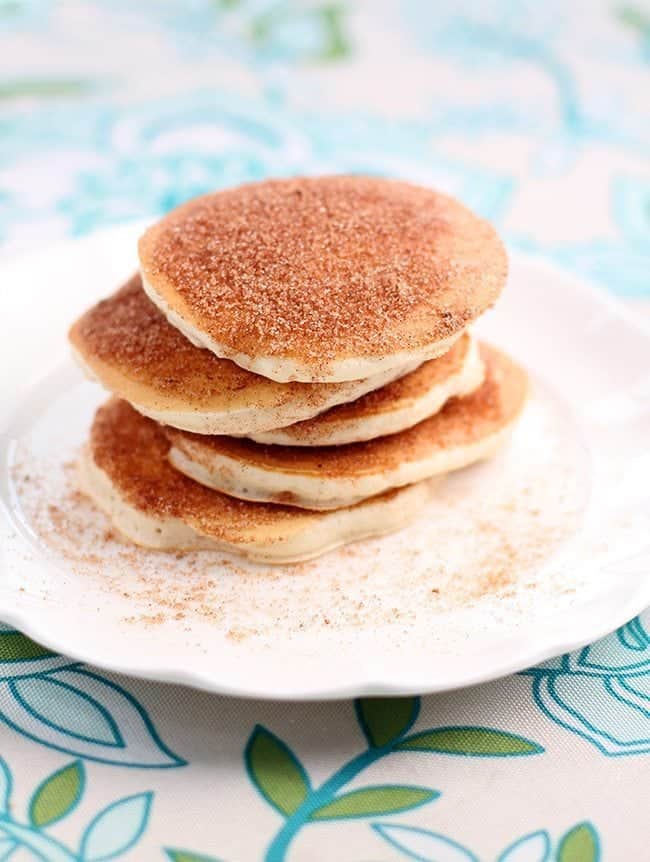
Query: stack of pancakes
x=293, y=364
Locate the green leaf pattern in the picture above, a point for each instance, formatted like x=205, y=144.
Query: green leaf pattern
x=57, y=795
x=42, y=89
x=15, y=646
x=470, y=742
x=373, y=801
x=383, y=720
x=276, y=772
x=580, y=844
x=283, y=782
x=186, y=856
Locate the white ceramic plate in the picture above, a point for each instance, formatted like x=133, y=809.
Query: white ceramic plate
x=538, y=552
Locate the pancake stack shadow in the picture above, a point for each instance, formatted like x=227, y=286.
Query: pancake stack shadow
x=293, y=365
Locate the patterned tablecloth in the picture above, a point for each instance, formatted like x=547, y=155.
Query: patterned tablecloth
x=537, y=115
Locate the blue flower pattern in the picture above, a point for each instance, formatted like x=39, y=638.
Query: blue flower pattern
x=602, y=692
x=66, y=707
x=579, y=844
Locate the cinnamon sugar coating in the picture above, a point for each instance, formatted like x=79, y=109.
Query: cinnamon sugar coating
x=132, y=451
x=408, y=388
x=320, y=268
x=133, y=350
x=461, y=422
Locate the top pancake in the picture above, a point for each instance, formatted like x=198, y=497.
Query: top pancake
x=325, y=278
x=130, y=347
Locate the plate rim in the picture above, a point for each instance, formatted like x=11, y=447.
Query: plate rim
x=371, y=687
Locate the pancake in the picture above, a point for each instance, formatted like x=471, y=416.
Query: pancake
x=127, y=344
x=323, y=279
x=395, y=407
x=465, y=430
x=125, y=471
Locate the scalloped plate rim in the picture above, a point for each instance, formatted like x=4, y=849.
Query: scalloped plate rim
x=353, y=688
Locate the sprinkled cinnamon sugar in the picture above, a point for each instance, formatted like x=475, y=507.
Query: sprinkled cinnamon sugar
x=476, y=552
x=462, y=421
x=132, y=349
x=327, y=267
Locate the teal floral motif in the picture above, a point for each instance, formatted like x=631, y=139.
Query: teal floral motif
x=579, y=844
x=528, y=34
x=24, y=14
x=534, y=847
x=140, y=163
x=284, y=782
x=295, y=31
x=204, y=144
x=258, y=31
x=246, y=145
x=499, y=34
x=62, y=705
x=110, y=834
x=631, y=208
x=618, y=264
x=623, y=261
x=602, y=692
x=406, y=152
x=116, y=829
x=133, y=189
